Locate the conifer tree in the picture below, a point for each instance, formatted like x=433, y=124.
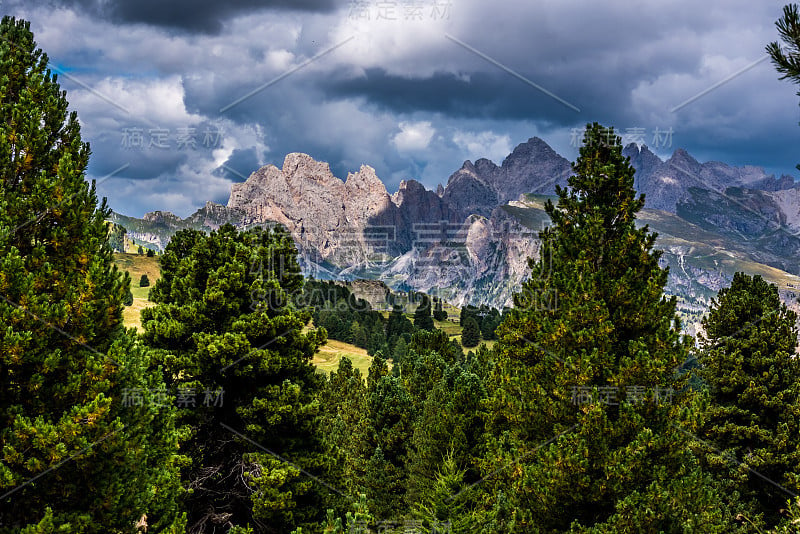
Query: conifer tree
x=489, y=322
x=578, y=408
x=441, y=507
x=85, y=447
x=397, y=325
x=468, y=311
x=786, y=59
x=752, y=420
x=422, y=315
x=400, y=352
x=429, y=356
x=228, y=332
x=377, y=370
x=471, y=333
x=344, y=425
x=389, y=432
x=449, y=427
x=438, y=311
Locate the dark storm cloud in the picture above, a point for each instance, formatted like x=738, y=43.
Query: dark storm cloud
x=178, y=63
x=239, y=165
x=141, y=163
x=201, y=16
x=495, y=96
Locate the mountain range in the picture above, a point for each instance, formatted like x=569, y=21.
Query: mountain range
x=470, y=240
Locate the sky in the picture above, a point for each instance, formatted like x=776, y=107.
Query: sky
x=181, y=98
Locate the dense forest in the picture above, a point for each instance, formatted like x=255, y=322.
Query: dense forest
x=594, y=413
x=352, y=320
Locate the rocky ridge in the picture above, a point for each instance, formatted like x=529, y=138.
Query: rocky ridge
x=471, y=239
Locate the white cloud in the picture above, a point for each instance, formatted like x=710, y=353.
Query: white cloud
x=483, y=144
x=158, y=102
x=413, y=136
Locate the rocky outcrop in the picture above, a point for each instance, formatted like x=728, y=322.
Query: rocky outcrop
x=331, y=220
x=212, y=216
x=165, y=218
x=484, y=260
x=417, y=204
x=373, y=291
x=533, y=167
x=413, y=239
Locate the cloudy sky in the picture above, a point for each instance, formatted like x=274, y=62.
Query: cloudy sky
x=181, y=98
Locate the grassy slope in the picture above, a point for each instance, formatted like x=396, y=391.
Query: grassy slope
x=329, y=355
x=136, y=265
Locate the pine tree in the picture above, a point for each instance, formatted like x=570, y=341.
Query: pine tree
x=400, y=352
x=144, y=281
x=468, y=311
x=590, y=334
x=442, y=508
x=471, y=333
x=752, y=372
x=490, y=320
x=377, y=370
x=377, y=338
x=449, y=426
x=438, y=311
x=422, y=315
x=787, y=60
x=77, y=455
x=389, y=432
x=397, y=325
x=344, y=426
x=228, y=332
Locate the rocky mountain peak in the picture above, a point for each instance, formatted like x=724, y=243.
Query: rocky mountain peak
x=418, y=204
x=684, y=161
x=533, y=148
x=466, y=167
x=353, y=227
x=644, y=161
x=485, y=166
x=640, y=153
x=770, y=183
x=300, y=166
x=409, y=186
x=365, y=180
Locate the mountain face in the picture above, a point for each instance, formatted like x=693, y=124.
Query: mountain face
x=666, y=184
x=532, y=167
x=344, y=223
x=470, y=240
